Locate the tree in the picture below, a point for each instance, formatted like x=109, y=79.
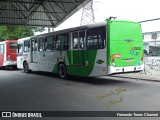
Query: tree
x=16, y=32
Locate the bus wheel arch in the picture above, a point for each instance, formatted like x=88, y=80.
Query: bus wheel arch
x=62, y=70
x=26, y=67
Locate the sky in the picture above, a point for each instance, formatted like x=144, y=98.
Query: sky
x=133, y=10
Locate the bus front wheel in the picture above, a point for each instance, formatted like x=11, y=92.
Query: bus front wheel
x=26, y=68
x=62, y=71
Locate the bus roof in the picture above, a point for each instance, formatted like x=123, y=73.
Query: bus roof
x=8, y=41
x=75, y=28
x=23, y=39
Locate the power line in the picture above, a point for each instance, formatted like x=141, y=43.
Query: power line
x=149, y=20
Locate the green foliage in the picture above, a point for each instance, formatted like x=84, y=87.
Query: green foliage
x=16, y=32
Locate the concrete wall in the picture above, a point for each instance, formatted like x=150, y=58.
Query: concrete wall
x=152, y=65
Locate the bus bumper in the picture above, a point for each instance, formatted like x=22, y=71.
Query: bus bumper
x=10, y=63
x=112, y=70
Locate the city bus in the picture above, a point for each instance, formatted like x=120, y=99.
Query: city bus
x=8, y=53
x=114, y=46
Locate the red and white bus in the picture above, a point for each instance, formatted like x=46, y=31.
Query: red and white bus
x=8, y=55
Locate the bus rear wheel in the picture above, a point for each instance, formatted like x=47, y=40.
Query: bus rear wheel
x=26, y=68
x=62, y=71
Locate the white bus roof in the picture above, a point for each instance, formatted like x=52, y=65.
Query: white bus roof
x=75, y=28
x=67, y=30
x=2, y=42
x=23, y=39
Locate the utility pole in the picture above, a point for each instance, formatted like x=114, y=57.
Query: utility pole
x=50, y=29
x=87, y=14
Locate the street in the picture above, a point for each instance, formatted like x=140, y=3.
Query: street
x=40, y=91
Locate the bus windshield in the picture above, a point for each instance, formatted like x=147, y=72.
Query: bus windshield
x=13, y=47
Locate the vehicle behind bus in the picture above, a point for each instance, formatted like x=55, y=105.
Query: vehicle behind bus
x=92, y=50
x=8, y=56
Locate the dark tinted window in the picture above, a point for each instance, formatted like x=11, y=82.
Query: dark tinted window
x=49, y=43
x=96, y=38
x=41, y=44
x=62, y=42
x=13, y=47
x=154, y=51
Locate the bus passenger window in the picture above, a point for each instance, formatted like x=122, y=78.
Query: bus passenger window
x=1, y=49
x=36, y=45
x=96, y=38
x=62, y=42
x=20, y=48
x=26, y=46
x=102, y=37
x=75, y=40
x=41, y=44
x=81, y=39
x=92, y=39
x=49, y=44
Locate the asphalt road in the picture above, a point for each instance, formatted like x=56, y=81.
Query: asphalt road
x=41, y=91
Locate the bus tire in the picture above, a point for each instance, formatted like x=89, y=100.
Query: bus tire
x=62, y=71
x=26, y=68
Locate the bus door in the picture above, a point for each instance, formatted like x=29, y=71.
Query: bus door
x=41, y=51
x=78, y=53
x=34, y=53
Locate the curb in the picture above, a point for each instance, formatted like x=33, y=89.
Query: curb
x=154, y=80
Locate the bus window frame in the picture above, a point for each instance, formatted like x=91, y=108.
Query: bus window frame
x=52, y=45
x=56, y=41
x=39, y=45
x=18, y=45
x=27, y=46
x=84, y=40
x=77, y=46
x=3, y=49
x=78, y=42
x=99, y=34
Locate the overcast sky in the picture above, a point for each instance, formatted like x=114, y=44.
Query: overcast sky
x=133, y=10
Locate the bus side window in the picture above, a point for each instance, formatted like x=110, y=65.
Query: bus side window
x=2, y=49
x=96, y=38
x=41, y=44
x=49, y=43
x=20, y=48
x=36, y=45
x=75, y=40
x=62, y=42
x=26, y=46
x=102, y=37
x=92, y=38
x=81, y=39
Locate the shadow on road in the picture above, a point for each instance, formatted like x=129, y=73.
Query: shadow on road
x=97, y=81
x=9, y=69
x=89, y=80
